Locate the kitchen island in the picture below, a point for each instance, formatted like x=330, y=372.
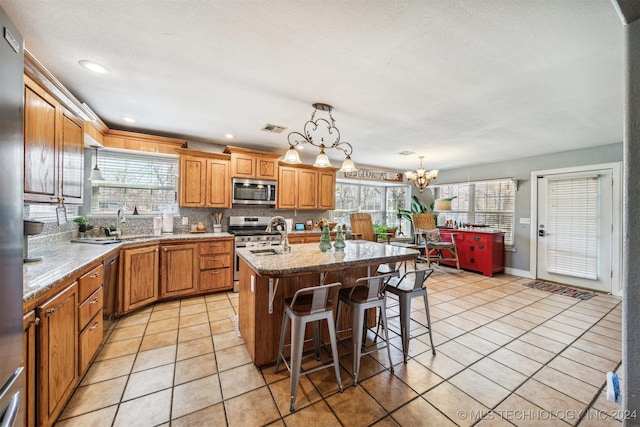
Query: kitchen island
x=267, y=277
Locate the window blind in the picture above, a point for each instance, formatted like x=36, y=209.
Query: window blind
x=572, y=227
x=132, y=181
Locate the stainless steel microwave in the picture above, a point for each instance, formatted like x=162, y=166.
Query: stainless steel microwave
x=254, y=192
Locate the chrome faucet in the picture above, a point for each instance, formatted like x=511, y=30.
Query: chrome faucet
x=284, y=234
x=120, y=219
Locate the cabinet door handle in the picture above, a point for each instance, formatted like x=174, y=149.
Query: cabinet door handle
x=94, y=276
x=214, y=258
x=36, y=321
x=49, y=312
x=95, y=300
x=214, y=245
x=95, y=325
x=476, y=238
x=215, y=272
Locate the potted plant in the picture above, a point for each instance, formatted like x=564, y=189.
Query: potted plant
x=82, y=222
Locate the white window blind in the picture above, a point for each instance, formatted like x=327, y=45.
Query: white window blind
x=572, y=227
x=133, y=181
x=483, y=202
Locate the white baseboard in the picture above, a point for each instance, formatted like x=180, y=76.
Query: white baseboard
x=518, y=272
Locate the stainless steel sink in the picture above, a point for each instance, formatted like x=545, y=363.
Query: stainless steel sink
x=269, y=251
x=96, y=241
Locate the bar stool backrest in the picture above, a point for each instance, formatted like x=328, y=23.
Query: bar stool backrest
x=322, y=297
x=421, y=277
x=375, y=286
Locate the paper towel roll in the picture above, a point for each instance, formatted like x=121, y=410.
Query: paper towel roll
x=289, y=222
x=167, y=222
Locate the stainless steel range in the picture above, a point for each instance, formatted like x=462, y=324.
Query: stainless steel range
x=251, y=231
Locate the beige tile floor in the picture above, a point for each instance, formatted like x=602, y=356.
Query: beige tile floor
x=506, y=355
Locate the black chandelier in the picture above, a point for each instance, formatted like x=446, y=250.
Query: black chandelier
x=314, y=127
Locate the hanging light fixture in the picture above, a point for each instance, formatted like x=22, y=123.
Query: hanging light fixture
x=96, y=174
x=421, y=177
x=319, y=132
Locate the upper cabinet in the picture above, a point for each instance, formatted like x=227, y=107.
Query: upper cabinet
x=306, y=187
x=254, y=164
x=53, y=149
x=205, y=180
x=142, y=142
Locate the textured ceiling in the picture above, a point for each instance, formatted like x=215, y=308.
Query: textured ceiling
x=458, y=81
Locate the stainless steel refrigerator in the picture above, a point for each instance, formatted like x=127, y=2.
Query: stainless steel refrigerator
x=12, y=388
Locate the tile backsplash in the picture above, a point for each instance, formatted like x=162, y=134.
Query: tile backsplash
x=143, y=224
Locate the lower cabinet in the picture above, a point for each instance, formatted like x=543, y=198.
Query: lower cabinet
x=139, y=277
x=29, y=323
x=179, y=270
x=216, y=265
x=57, y=353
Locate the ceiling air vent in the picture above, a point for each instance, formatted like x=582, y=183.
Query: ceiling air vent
x=405, y=153
x=273, y=128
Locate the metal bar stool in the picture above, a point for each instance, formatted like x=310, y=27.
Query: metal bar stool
x=406, y=289
x=308, y=305
x=367, y=292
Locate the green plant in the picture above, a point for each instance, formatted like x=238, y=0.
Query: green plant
x=81, y=219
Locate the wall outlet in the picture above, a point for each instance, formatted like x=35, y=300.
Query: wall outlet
x=185, y=220
x=525, y=220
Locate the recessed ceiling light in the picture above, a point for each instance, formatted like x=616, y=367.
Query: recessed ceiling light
x=94, y=66
x=129, y=120
x=228, y=135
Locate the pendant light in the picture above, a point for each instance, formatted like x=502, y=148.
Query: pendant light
x=315, y=132
x=96, y=174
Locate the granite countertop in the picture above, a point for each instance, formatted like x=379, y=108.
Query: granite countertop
x=308, y=257
x=65, y=260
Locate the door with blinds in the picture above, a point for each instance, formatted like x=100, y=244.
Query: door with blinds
x=575, y=229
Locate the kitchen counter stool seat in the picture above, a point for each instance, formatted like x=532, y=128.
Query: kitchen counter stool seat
x=308, y=305
x=406, y=289
x=367, y=292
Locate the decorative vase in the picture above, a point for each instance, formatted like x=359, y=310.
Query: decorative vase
x=325, y=239
x=339, y=243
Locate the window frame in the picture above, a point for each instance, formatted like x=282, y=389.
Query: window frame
x=472, y=210
x=108, y=159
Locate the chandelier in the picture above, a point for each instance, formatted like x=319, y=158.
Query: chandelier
x=323, y=134
x=421, y=177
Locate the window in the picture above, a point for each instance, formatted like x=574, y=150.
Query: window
x=382, y=202
x=484, y=202
x=132, y=181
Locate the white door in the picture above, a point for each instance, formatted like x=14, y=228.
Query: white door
x=575, y=228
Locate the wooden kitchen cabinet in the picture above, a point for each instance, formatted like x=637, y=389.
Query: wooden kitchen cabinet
x=306, y=187
x=29, y=323
x=57, y=355
x=142, y=142
x=179, y=269
x=216, y=265
x=253, y=164
x=139, y=277
x=481, y=251
x=53, y=149
x=205, y=180
x=326, y=189
x=91, y=301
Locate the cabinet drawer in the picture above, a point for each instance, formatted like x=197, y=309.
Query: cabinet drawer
x=89, y=341
x=216, y=247
x=215, y=261
x=90, y=307
x=215, y=279
x=90, y=282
